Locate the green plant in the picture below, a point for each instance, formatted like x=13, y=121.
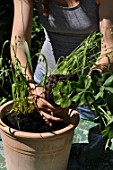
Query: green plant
x=20, y=93
x=82, y=58
x=102, y=86
x=22, y=104
x=94, y=91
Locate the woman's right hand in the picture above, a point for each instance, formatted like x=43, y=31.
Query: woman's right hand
x=49, y=112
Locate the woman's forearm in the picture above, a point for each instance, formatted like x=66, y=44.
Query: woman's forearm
x=105, y=62
x=21, y=32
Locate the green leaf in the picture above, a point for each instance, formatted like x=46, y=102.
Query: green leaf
x=65, y=71
x=77, y=97
x=100, y=94
x=57, y=88
x=80, y=83
x=58, y=101
x=13, y=89
x=87, y=82
x=106, y=75
x=109, y=82
x=27, y=52
x=66, y=88
x=105, y=131
x=109, y=89
x=90, y=98
x=3, y=100
x=110, y=135
x=82, y=100
x=79, y=90
x=108, y=144
x=110, y=122
x=66, y=102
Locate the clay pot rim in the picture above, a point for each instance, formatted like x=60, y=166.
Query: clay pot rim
x=22, y=134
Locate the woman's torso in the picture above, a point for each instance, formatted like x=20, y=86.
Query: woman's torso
x=65, y=28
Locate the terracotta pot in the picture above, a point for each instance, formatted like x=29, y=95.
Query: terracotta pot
x=35, y=151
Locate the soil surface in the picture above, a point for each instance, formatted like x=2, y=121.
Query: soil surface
x=32, y=122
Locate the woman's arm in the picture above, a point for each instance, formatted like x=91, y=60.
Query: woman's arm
x=21, y=31
x=106, y=28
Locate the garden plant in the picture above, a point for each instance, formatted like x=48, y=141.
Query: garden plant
x=67, y=86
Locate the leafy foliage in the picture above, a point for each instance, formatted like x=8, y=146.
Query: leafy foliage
x=96, y=92
x=82, y=58
x=69, y=92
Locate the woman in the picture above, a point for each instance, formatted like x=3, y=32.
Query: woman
x=66, y=24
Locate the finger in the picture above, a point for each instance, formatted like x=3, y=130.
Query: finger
x=44, y=105
x=50, y=117
x=43, y=108
x=47, y=121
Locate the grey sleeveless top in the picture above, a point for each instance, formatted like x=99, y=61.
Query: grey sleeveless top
x=65, y=28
